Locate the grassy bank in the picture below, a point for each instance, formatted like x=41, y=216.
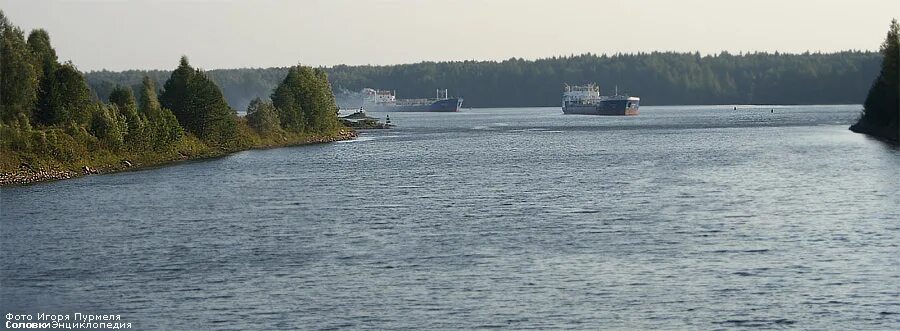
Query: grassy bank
x=54, y=154
x=53, y=126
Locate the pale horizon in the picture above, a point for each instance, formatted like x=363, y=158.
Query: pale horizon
x=124, y=35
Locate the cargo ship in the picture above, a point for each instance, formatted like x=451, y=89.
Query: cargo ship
x=586, y=100
x=386, y=101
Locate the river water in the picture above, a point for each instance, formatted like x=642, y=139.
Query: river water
x=695, y=217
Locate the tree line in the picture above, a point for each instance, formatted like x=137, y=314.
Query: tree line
x=660, y=78
x=50, y=116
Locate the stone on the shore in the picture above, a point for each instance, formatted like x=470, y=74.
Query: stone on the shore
x=29, y=176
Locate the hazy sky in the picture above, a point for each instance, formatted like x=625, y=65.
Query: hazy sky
x=119, y=35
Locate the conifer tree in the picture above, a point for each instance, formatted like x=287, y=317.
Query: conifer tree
x=285, y=98
x=881, y=110
x=175, y=93
x=213, y=118
x=199, y=105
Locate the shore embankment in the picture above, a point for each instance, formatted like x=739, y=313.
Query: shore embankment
x=27, y=174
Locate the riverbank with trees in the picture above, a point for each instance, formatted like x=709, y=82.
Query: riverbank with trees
x=53, y=127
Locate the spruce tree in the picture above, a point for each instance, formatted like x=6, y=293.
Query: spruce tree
x=285, y=98
x=881, y=109
x=213, y=119
x=199, y=105
x=175, y=93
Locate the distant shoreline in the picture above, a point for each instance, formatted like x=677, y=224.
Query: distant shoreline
x=25, y=176
x=665, y=78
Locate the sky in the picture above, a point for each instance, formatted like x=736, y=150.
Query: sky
x=215, y=34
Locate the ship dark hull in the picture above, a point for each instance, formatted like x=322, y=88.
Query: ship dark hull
x=605, y=107
x=439, y=106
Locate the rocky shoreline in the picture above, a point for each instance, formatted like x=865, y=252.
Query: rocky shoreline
x=26, y=175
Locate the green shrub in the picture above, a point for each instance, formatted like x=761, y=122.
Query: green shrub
x=262, y=117
x=108, y=125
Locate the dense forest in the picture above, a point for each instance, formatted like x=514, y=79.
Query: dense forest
x=240, y=86
x=881, y=109
x=50, y=120
x=658, y=78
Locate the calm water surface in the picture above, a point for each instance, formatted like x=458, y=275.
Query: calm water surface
x=680, y=218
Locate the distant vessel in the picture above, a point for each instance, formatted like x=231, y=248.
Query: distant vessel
x=386, y=101
x=586, y=100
